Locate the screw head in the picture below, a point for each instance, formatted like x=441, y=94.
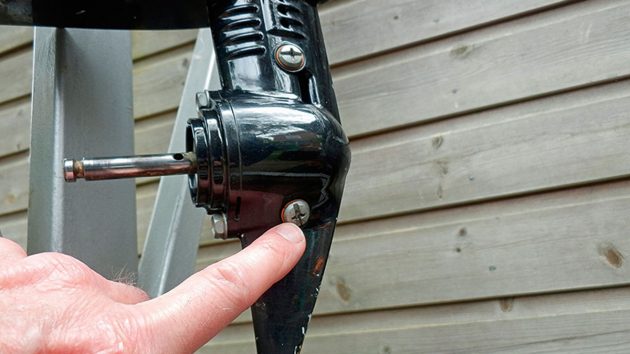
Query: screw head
x=219, y=225
x=290, y=57
x=297, y=212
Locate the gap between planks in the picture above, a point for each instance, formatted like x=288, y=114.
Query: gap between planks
x=466, y=254
x=448, y=318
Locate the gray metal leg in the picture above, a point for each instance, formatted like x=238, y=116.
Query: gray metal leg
x=170, y=250
x=82, y=105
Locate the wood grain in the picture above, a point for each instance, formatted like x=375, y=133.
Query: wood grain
x=13, y=227
x=13, y=37
x=580, y=322
x=491, y=66
x=488, y=67
x=358, y=28
x=14, y=184
x=567, y=240
x=15, y=121
x=355, y=29
x=606, y=332
x=15, y=127
x=147, y=43
x=158, y=86
x=545, y=144
x=16, y=73
x=565, y=48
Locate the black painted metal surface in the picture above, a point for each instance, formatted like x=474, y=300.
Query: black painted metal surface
x=274, y=151
x=107, y=14
x=272, y=136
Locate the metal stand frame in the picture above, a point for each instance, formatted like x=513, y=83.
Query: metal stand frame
x=82, y=105
x=170, y=250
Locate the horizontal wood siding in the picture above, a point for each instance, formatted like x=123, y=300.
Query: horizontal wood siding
x=581, y=322
x=537, y=55
x=486, y=206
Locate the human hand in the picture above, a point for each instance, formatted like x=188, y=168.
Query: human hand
x=53, y=303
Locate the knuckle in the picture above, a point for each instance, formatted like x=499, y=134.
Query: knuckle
x=62, y=268
x=276, y=251
x=9, y=246
x=228, y=278
x=274, y=248
x=231, y=274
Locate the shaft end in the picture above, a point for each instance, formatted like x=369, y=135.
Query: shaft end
x=68, y=170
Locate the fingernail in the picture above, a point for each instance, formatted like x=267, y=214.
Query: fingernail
x=290, y=232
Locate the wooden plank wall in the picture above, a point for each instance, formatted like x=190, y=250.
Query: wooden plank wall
x=486, y=207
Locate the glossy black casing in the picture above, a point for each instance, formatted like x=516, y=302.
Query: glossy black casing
x=272, y=136
x=269, y=137
x=107, y=14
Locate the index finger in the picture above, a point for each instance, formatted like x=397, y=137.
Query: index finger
x=188, y=316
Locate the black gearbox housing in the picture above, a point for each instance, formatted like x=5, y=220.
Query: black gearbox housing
x=270, y=136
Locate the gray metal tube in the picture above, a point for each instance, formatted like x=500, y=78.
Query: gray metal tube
x=129, y=166
x=82, y=104
x=170, y=250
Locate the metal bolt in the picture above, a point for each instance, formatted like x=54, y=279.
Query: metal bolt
x=297, y=212
x=203, y=100
x=219, y=225
x=290, y=57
